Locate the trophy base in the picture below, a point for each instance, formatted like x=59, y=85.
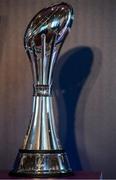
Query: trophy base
x=41, y=163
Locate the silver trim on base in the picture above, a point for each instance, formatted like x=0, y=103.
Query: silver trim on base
x=38, y=164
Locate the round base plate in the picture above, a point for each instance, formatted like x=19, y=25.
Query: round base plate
x=47, y=163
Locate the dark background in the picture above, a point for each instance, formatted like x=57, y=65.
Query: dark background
x=85, y=83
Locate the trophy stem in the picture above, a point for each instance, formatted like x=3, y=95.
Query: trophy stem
x=41, y=154
x=41, y=134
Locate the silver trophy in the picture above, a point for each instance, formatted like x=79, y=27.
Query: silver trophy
x=41, y=154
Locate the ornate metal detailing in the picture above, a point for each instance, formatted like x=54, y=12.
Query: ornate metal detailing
x=42, y=154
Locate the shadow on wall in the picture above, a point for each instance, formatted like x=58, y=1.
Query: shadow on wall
x=71, y=73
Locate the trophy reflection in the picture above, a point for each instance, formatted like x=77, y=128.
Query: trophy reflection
x=41, y=154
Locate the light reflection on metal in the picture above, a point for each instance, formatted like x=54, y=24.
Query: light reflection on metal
x=41, y=154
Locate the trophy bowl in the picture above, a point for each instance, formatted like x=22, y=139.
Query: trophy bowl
x=41, y=154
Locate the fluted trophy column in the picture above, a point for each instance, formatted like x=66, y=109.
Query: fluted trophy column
x=41, y=154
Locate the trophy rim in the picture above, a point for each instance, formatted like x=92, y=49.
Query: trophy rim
x=47, y=175
x=42, y=151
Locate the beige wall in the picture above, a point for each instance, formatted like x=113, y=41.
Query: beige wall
x=95, y=114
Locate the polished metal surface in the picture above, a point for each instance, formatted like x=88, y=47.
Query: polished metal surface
x=43, y=163
x=43, y=40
